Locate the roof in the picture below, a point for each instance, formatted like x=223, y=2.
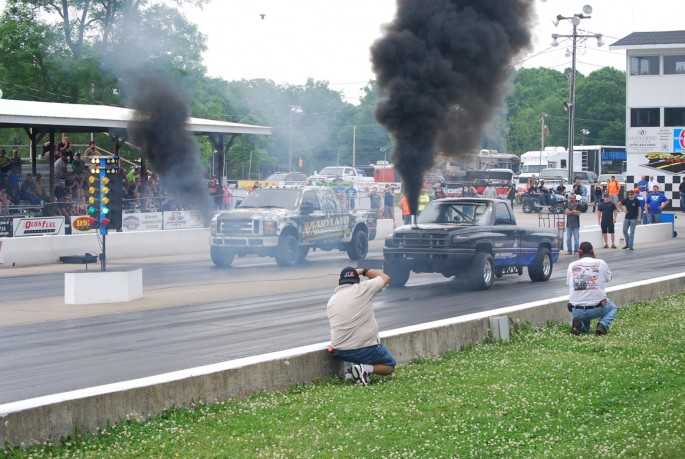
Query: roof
x=43, y=116
x=651, y=40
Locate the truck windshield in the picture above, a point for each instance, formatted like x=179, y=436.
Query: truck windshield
x=332, y=171
x=272, y=197
x=464, y=212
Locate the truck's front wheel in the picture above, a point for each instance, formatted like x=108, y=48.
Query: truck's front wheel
x=221, y=256
x=482, y=271
x=527, y=207
x=288, y=251
x=541, y=269
x=358, y=247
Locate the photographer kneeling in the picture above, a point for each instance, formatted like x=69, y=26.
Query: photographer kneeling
x=586, y=279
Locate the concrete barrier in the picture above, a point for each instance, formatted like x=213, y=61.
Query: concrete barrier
x=55, y=416
x=41, y=250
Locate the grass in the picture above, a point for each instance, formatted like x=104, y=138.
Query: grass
x=545, y=394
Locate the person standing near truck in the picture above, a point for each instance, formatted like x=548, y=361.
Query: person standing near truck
x=389, y=203
x=572, y=225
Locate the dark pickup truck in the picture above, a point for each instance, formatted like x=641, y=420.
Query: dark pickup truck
x=473, y=238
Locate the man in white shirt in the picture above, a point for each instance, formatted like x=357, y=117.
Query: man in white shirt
x=354, y=330
x=651, y=184
x=586, y=279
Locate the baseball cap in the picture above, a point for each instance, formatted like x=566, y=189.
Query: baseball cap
x=637, y=190
x=585, y=247
x=348, y=275
x=606, y=195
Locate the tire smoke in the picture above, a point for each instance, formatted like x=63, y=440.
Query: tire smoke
x=443, y=67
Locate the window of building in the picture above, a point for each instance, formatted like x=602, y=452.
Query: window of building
x=644, y=117
x=644, y=65
x=674, y=116
x=674, y=65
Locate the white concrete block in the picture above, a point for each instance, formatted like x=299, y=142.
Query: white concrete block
x=103, y=287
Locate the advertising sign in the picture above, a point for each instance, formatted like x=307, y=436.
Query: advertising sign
x=5, y=227
x=148, y=221
x=647, y=140
x=679, y=140
x=177, y=219
x=83, y=224
x=38, y=226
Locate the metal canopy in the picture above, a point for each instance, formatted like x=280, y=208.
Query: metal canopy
x=46, y=116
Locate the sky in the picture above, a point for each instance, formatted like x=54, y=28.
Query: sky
x=329, y=40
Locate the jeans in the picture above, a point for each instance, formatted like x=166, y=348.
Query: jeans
x=572, y=234
x=654, y=218
x=370, y=355
x=629, y=231
x=606, y=313
x=682, y=202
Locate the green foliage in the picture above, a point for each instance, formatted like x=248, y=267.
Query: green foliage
x=545, y=394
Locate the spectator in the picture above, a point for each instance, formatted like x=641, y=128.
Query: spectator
x=228, y=196
x=586, y=279
x=438, y=191
x=15, y=161
x=78, y=166
x=572, y=225
x=389, y=203
x=606, y=218
x=38, y=189
x=578, y=188
x=5, y=162
x=561, y=189
x=642, y=200
x=351, y=194
x=654, y=204
x=27, y=191
x=61, y=169
x=490, y=191
x=65, y=206
x=642, y=185
x=4, y=200
x=66, y=149
x=91, y=150
x=375, y=199
x=633, y=210
x=612, y=189
x=681, y=190
x=406, y=212
x=423, y=200
x=652, y=183
x=511, y=194
x=354, y=330
x=599, y=192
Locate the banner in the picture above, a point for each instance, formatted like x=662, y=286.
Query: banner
x=6, y=227
x=149, y=221
x=177, y=219
x=81, y=224
x=38, y=226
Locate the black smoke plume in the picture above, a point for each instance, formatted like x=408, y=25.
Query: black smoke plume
x=443, y=67
x=160, y=130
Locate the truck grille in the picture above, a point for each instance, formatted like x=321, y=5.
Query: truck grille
x=238, y=227
x=423, y=240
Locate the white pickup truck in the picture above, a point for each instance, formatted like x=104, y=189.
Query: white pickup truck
x=345, y=173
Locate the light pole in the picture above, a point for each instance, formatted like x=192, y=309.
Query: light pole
x=571, y=105
x=542, y=135
x=293, y=109
x=584, y=132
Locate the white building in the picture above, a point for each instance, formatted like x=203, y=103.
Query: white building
x=655, y=107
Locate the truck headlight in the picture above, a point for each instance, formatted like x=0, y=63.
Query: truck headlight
x=270, y=228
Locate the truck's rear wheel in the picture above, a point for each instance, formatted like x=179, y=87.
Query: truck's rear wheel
x=288, y=251
x=221, y=256
x=358, y=247
x=541, y=269
x=527, y=207
x=398, y=272
x=482, y=271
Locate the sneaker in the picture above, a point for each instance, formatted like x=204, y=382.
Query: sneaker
x=569, y=253
x=575, y=326
x=613, y=246
x=631, y=248
x=348, y=376
x=626, y=247
x=606, y=246
x=360, y=375
x=601, y=329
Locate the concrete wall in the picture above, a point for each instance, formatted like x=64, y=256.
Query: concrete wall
x=40, y=250
x=54, y=416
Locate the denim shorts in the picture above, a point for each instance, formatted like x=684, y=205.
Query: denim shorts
x=369, y=355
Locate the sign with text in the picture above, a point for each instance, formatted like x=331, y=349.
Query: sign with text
x=5, y=227
x=149, y=221
x=38, y=226
x=83, y=224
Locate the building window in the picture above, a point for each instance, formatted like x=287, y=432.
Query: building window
x=674, y=65
x=674, y=117
x=644, y=117
x=644, y=65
